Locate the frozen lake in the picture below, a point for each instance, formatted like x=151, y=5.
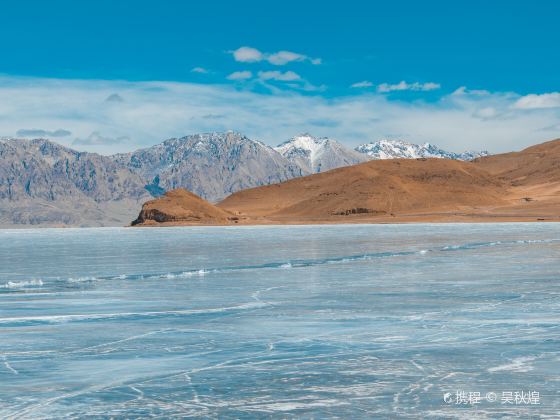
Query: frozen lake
x=353, y=321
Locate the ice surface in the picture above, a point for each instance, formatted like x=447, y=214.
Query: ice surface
x=361, y=321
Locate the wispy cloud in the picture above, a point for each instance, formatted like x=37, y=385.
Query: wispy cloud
x=416, y=86
x=362, y=84
x=288, y=76
x=486, y=113
x=154, y=111
x=464, y=91
x=555, y=128
x=280, y=58
x=96, y=139
x=213, y=117
x=240, y=75
x=284, y=57
x=200, y=70
x=37, y=132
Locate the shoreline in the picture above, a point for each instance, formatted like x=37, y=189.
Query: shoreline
x=401, y=220
x=396, y=220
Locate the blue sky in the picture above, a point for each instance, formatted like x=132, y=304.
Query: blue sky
x=496, y=62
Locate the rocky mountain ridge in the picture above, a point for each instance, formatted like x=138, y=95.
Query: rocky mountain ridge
x=45, y=184
x=518, y=186
x=212, y=165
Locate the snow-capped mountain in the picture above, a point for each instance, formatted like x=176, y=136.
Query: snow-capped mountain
x=43, y=183
x=318, y=154
x=398, y=149
x=212, y=165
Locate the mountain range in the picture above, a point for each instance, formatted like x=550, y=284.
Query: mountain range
x=45, y=184
x=398, y=149
x=518, y=186
x=212, y=165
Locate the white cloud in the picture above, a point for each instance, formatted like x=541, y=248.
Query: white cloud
x=240, y=75
x=416, y=86
x=280, y=58
x=427, y=86
x=362, y=84
x=155, y=111
x=288, y=76
x=284, y=57
x=247, y=55
x=533, y=101
x=200, y=70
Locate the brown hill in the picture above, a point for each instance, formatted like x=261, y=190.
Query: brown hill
x=375, y=188
x=182, y=207
x=519, y=186
x=533, y=177
x=532, y=166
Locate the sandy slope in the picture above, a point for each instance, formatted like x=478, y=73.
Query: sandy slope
x=519, y=186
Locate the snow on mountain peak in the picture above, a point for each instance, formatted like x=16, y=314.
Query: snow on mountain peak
x=318, y=154
x=400, y=149
x=303, y=145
